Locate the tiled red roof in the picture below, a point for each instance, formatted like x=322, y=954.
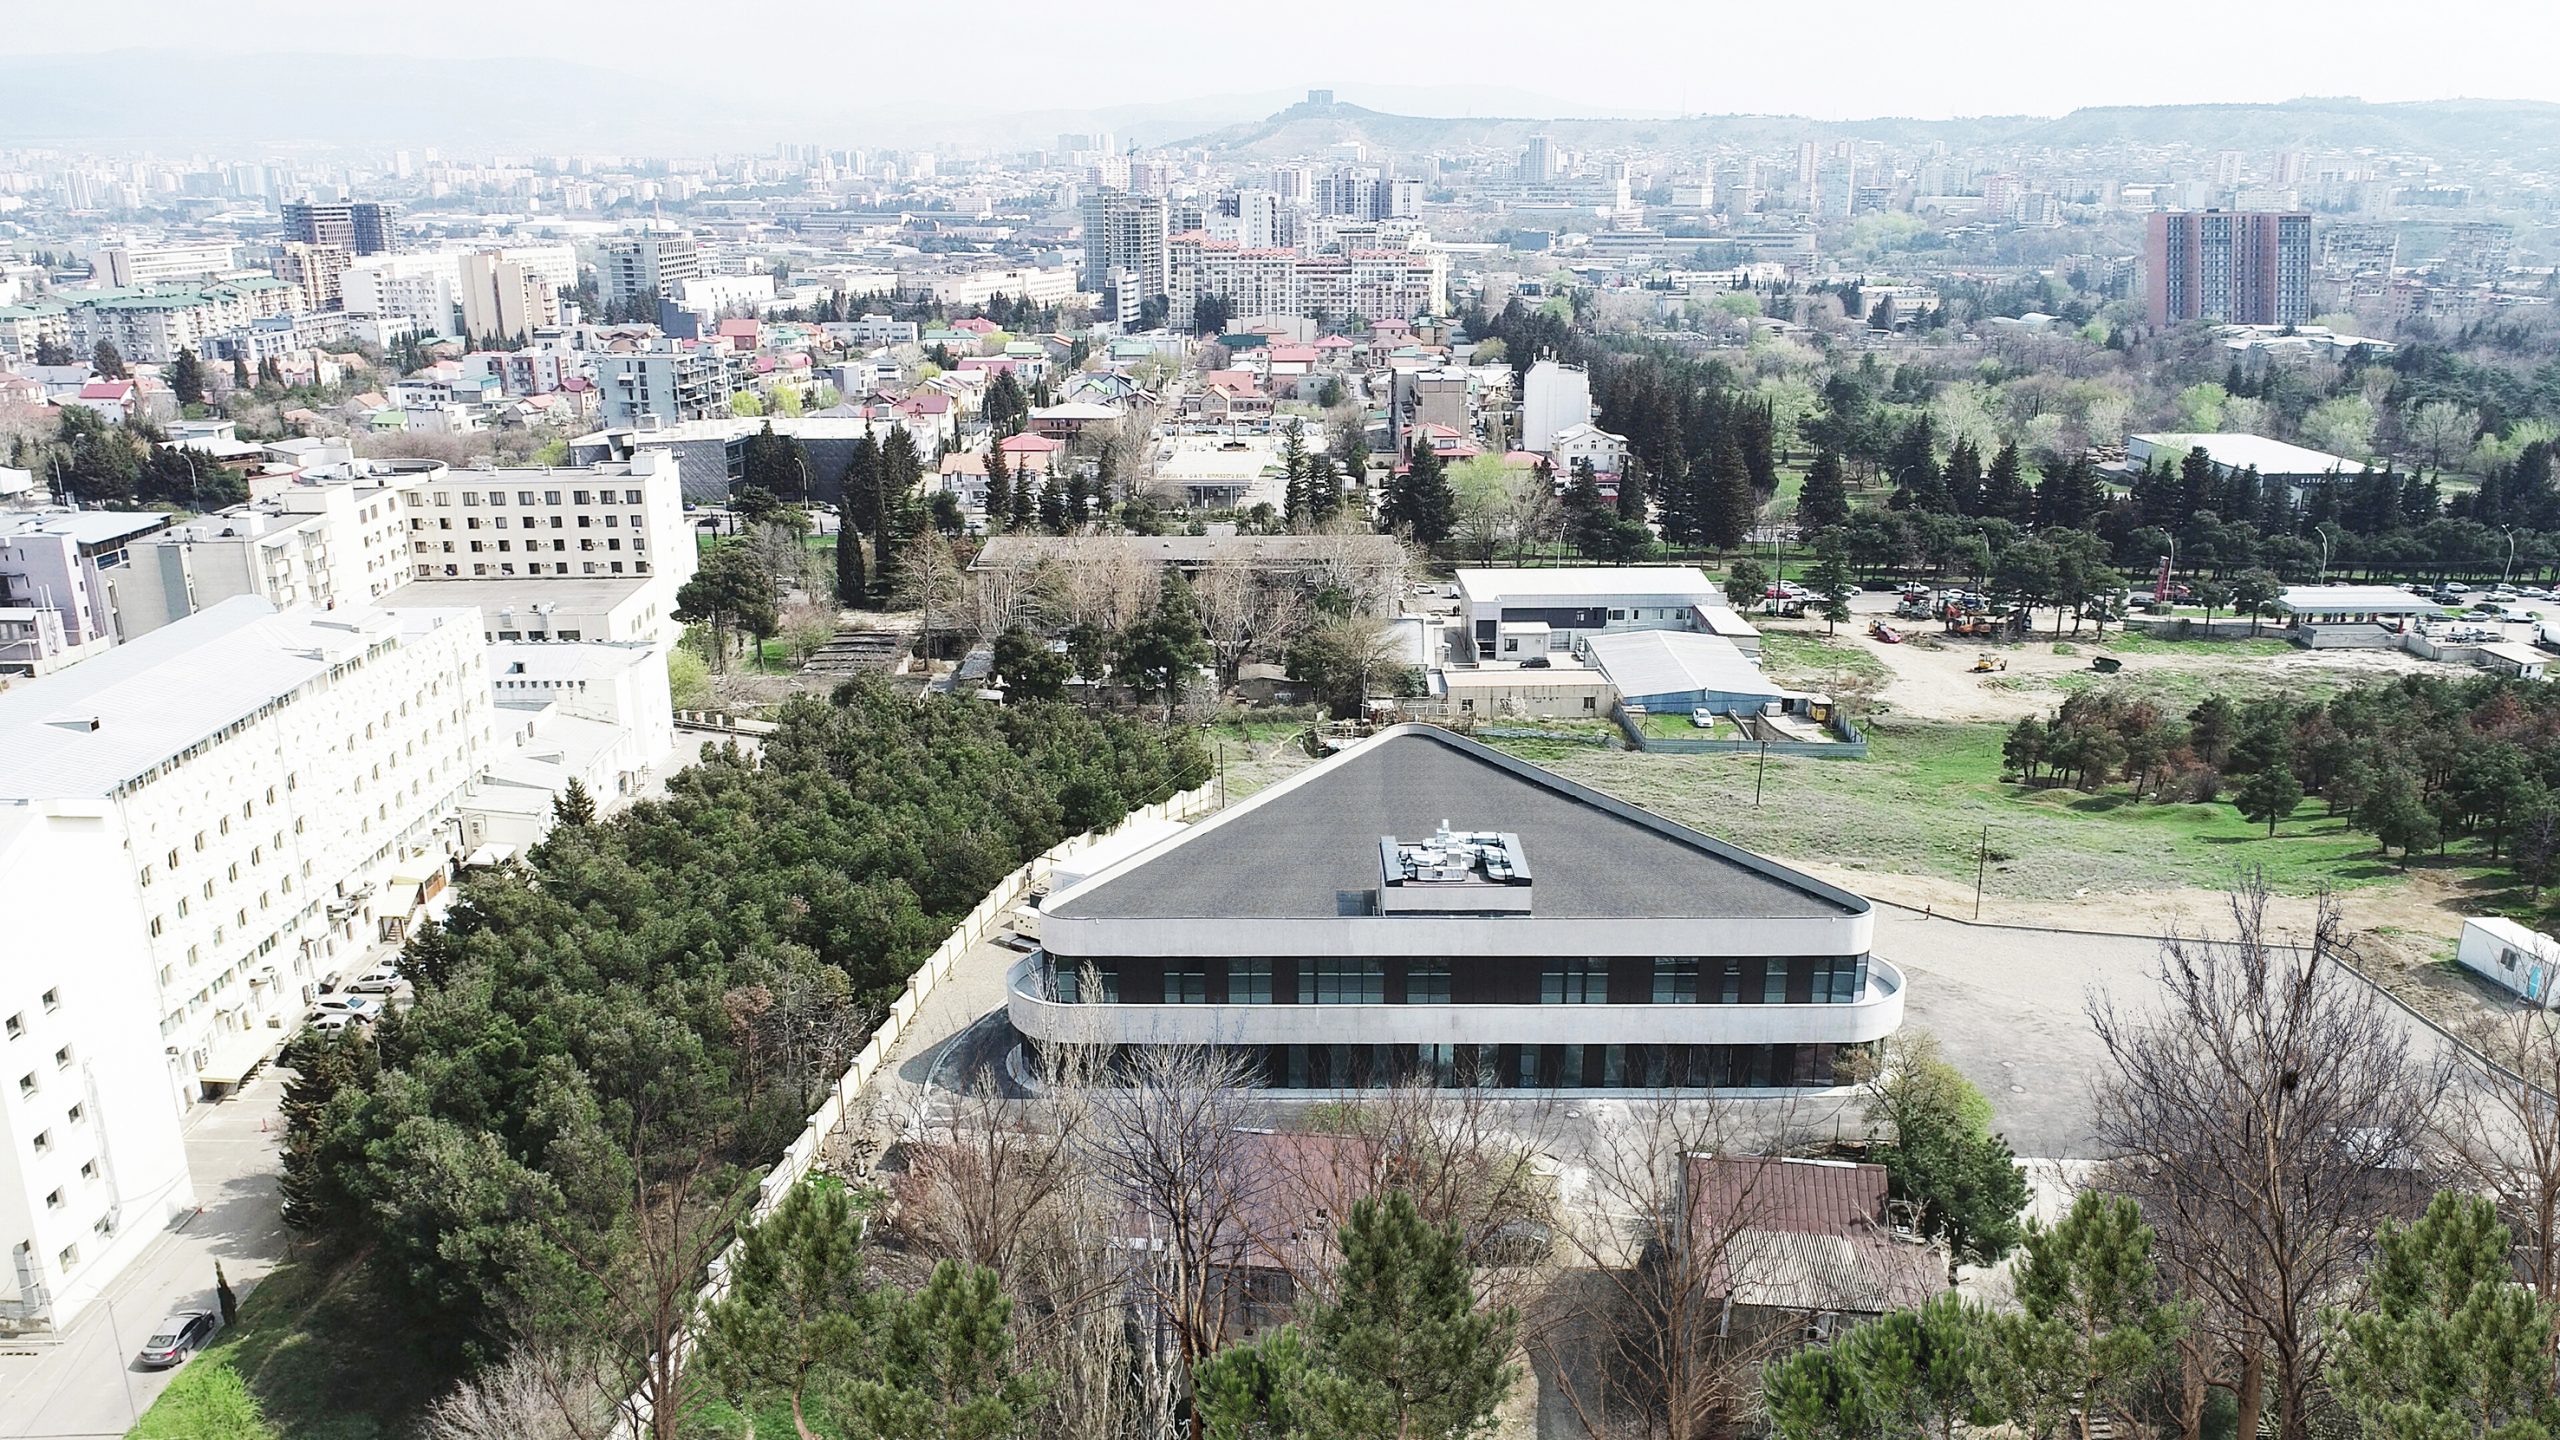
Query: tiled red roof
x=1030, y=444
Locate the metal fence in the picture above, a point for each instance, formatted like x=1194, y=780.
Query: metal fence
x=1852, y=744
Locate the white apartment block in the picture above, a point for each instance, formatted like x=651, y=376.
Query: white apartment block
x=180, y=263
x=25, y=328
x=424, y=289
x=606, y=545
x=1330, y=286
x=194, y=828
x=976, y=288
x=327, y=545
x=601, y=521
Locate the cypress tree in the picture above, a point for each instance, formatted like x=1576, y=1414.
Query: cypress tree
x=1824, y=502
x=999, y=490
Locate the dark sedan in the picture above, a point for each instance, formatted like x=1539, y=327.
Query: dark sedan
x=176, y=1338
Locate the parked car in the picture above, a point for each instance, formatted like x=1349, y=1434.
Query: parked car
x=331, y=1021
x=182, y=1334
x=1536, y=662
x=356, y=1005
x=2456, y=587
x=381, y=980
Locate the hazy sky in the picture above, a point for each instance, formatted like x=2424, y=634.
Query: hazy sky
x=1838, y=60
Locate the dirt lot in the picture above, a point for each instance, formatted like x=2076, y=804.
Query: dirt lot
x=1932, y=677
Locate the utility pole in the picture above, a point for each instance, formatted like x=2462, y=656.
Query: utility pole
x=1981, y=867
x=1761, y=784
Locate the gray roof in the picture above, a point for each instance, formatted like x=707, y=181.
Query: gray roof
x=1293, y=850
x=490, y=595
x=88, y=729
x=1676, y=662
x=93, y=528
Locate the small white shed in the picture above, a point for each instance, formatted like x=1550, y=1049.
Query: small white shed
x=2523, y=962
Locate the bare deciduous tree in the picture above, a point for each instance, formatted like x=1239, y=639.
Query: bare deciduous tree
x=2503, y=1137
x=1169, y=1134
x=533, y=1394
x=1247, y=614
x=2265, y=1113
x=1644, y=1348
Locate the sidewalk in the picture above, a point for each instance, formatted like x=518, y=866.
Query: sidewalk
x=941, y=1051
x=83, y=1383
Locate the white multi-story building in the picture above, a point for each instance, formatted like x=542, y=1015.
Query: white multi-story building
x=1553, y=398
x=594, y=553
x=424, y=289
x=650, y=268
x=177, y=263
x=193, y=829
x=57, y=569
x=975, y=288
x=1333, y=287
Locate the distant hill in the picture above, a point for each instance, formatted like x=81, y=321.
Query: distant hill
x=2441, y=127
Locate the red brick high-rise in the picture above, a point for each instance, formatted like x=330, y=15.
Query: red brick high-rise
x=2241, y=267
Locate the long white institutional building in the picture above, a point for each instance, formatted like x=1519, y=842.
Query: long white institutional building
x=193, y=827
x=1423, y=904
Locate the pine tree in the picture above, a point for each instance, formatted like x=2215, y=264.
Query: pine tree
x=1324, y=490
x=107, y=361
x=1405, y=1349
x=861, y=486
x=1964, y=478
x=2269, y=794
x=2098, y=1325
x=1635, y=499
x=239, y=373
x=1823, y=504
x=323, y=1063
x=1053, y=507
x=1419, y=500
x=999, y=489
x=1026, y=504
x=2004, y=488
x=1730, y=510
x=1294, y=475
x=573, y=807
x=901, y=470
x=2448, y=1344
x=1831, y=579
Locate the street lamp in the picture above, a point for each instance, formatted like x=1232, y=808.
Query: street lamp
x=2323, y=532
x=2509, y=573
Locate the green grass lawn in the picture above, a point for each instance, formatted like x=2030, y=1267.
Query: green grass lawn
x=1919, y=802
x=1676, y=725
x=2134, y=642
x=314, y=1357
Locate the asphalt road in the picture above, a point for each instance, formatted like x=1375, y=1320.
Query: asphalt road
x=83, y=1382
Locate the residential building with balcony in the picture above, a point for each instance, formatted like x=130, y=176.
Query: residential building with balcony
x=665, y=386
x=1423, y=905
